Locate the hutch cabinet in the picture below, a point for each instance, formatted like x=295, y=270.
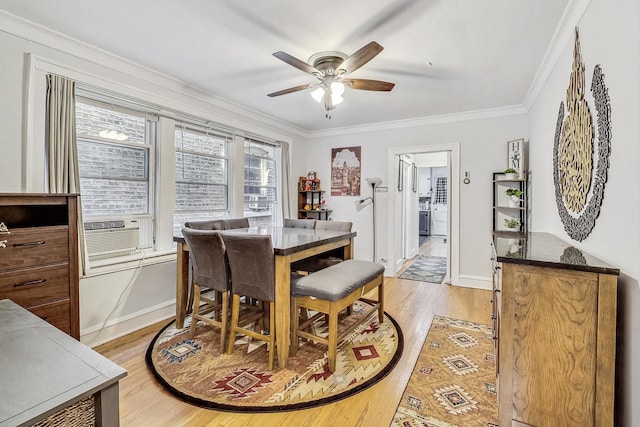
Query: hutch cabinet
x=554, y=322
x=39, y=256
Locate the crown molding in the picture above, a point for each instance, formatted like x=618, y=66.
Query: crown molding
x=423, y=121
x=570, y=19
x=35, y=33
x=38, y=34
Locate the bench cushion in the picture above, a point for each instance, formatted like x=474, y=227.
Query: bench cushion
x=338, y=281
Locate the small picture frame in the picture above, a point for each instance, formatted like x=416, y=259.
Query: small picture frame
x=516, y=156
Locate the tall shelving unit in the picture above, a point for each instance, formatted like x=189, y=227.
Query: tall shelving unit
x=310, y=197
x=503, y=209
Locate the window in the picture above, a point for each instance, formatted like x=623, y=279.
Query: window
x=202, y=168
x=441, y=190
x=260, y=182
x=115, y=159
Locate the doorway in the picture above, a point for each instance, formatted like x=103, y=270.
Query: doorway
x=428, y=216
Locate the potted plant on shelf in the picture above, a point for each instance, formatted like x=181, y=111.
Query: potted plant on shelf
x=514, y=197
x=511, y=173
x=512, y=223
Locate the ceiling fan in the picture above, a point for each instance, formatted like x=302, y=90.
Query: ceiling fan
x=331, y=69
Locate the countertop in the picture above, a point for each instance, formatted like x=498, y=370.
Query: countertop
x=547, y=250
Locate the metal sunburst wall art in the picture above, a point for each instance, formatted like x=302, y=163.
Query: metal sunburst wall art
x=579, y=188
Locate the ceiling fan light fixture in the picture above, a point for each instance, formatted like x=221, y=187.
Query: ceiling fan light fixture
x=337, y=88
x=318, y=94
x=336, y=99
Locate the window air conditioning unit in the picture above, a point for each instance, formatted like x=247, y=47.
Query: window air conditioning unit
x=111, y=238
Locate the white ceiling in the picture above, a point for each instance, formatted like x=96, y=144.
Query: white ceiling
x=483, y=54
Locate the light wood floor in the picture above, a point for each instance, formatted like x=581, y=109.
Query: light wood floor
x=143, y=402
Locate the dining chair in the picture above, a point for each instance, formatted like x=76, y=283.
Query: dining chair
x=299, y=223
x=235, y=223
x=215, y=224
x=210, y=272
x=252, y=264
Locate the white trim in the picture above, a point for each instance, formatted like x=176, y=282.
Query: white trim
x=39, y=34
x=454, y=210
x=129, y=262
x=421, y=121
x=115, y=328
x=571, y=17
x=110, y=62
x=476, y=282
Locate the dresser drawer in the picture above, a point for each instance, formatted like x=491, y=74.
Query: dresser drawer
x=34, y=246
x=35, y=286
x=58, y=314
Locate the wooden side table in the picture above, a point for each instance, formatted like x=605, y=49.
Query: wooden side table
x=44, y=371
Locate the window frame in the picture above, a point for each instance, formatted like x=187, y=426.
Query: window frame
x=226, y=158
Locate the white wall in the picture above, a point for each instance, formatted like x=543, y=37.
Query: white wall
x=114, y=299
x=609, y=36
x=483, y=150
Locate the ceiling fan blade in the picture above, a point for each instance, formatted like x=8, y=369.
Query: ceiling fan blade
x=358, y=59
x=366, y=84
x=295, y=62
x=290, y=90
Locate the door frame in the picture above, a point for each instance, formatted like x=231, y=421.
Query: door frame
x=453, y=223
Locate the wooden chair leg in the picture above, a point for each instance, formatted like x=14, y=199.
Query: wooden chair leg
x=333, y=339
x=224, y=319
x=195, y=310
x=235, y=313
x=295, y=322
x=381, y=301
x=272, y=334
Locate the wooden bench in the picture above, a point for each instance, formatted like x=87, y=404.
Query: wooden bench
x=328, y=292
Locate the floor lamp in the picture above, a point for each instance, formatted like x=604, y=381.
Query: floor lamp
x=373, y=182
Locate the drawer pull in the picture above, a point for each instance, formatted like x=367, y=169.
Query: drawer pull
x=38, y=243
x=29, y=283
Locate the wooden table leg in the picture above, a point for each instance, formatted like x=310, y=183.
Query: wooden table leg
x=182, y=281
x=283, y=309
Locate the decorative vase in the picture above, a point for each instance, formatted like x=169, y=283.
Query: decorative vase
x=514, y=202
x=511, y=176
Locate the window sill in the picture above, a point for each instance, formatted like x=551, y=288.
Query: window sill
x=129, y=262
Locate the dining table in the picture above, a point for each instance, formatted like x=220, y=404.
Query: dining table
x=289, y=245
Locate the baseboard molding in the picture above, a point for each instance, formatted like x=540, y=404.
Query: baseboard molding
x=97, y=335
x=477, y=282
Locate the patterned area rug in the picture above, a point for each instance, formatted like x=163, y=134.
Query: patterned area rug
x=195, y=371
x=454, y=380
x=427, y=269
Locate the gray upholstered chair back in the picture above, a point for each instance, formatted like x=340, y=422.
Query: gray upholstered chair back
x=235, y=223
x=205, y=225
x=252, y=265
x=299, y=223
x=207, y=253
x=334, y=225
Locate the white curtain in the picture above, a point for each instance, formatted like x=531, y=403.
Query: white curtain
x=285, y=166
x=64, y=174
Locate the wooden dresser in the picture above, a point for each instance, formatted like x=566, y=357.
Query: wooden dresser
x=39, y=256
x=555, y=329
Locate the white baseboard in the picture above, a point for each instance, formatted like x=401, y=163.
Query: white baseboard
x=477, y=282
x=115, y=328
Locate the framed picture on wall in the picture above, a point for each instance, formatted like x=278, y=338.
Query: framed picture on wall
x=346, y=164
x=516, y=156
